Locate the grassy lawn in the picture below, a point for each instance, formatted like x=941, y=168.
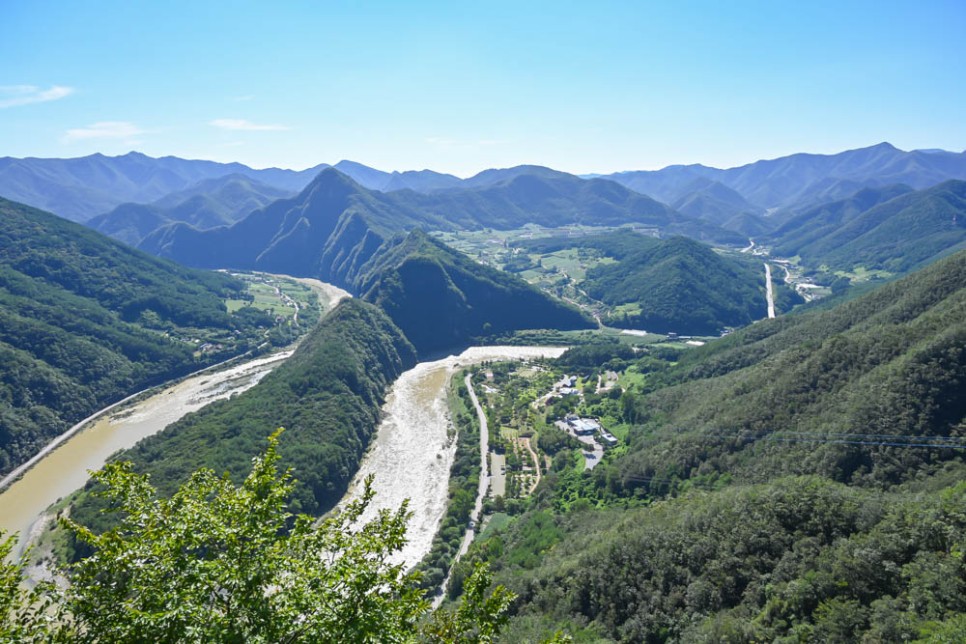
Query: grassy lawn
x=631, y=379
x=262, y=289
x=863, y=274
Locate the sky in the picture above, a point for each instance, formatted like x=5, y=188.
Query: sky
x=459, y=87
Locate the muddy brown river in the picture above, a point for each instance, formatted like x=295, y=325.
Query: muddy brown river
x=66, y=468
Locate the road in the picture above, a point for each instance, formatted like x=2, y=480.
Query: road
x=481, y=490
x=484, y=469
x=768, y=291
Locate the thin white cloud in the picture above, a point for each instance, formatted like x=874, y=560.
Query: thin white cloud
x=14, y=95
x=247, y=126
x=104, y=130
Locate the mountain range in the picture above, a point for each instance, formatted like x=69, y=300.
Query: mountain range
x=802, y=179
x=82, y=188
x=891, y=228
x=208, y=204
x=335, y=226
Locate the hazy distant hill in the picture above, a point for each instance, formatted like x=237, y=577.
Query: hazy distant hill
x=81, y=188
x=207, y=204
x=801, y=179
x=85, y=321
x=895, y=234
x=416, y=180
x=715, y=202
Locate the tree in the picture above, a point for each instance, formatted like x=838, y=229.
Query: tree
x=220, y=563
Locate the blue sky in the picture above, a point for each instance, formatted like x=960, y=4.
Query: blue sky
x=462, y=86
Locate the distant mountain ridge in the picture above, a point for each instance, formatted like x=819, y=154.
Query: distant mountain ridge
x=800, y=179
x=81, y=188
x=208, y=204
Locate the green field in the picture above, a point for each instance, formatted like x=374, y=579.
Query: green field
x=274, y=295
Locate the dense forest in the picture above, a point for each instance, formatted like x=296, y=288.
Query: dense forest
x=887, y=228
x=85, y=321
x=800, y=480
x=675, y=284
x=443, y=299
x=328, y=396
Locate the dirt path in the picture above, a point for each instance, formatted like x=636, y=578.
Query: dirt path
x=769, y=294
x=536, y=461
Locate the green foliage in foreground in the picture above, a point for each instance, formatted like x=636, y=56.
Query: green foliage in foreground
x=796, y=560
x=220, y=563
x=328, y=394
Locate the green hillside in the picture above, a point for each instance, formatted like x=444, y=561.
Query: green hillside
x=327, y=396
x=800, y=480
x=442, y=299
x=889, y=229
x=85, y=321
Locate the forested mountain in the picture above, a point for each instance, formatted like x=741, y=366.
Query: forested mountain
x=85, y=321
x=803, y=179
x=890, y=228
x=440, y=298
x=714, y=202
x=335, y=226
x=681, y=285
x=675, y=284
x=800, y=480
x=81, y=188
x=208, y=204
x=328, y=397
x=328, y=231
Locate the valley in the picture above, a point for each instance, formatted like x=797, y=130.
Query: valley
x=624, y=354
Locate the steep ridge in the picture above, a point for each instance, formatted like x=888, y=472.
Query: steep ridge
x=442, y=299
x=328, y=396
x=85, y=321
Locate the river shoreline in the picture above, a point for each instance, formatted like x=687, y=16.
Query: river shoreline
x=412, y=453
x=65, y=466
